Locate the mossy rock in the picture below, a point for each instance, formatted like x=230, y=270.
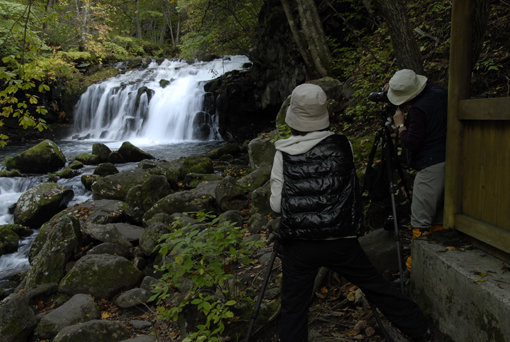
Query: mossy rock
x=10, y=173
x=131, y=153
x=116, y=158
x=75, y=165
x=197, y=164
x=88, y=180
x=42, y=158
x=67, y=173
x=88, y=159
x=102, y=151
x=105, y=169
x=8, y=241
x=192, y=180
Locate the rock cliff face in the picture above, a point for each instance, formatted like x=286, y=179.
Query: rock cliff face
x=248, y=102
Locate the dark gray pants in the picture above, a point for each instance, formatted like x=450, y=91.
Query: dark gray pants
x=302, y=258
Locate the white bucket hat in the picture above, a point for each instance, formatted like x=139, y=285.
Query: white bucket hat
x=405, y=85
x=308, y=109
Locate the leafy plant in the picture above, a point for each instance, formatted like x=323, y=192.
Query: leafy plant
x=208, y=258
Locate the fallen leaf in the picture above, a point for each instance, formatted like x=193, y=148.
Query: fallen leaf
x=370, y=331
x=105, y=314
x=480, y=273
x=352, y=332
x=324, y=290
x=320, y=295
x=480, y=280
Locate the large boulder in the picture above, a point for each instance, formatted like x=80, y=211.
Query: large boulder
x=88, y=158
x=141, y=198
x=42, y=158
x=256, y=179
x=87, y=213
x=131, y=153
x=260, y=201
x=38, y=204
x=116, y=186
x=197, y=164
x=105, y=169
x=180, y=202
x=106, y=233
x=8, y=241
x=79, y=309
x=229, y=195
x=261, y=151
x=192, y=180
x=150, y=237
x=95, y=330
x=102, y=151
x=17, y=319
x=102, y=276
x=61, y=242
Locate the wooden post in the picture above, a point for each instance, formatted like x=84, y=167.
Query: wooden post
x=458, y=89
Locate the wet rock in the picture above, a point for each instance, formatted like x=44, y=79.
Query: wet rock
x=197, y=164
x=229, y=195
x=75, y=165
x=54, y=250
x=79, y=309
x=132, y=298
x=102, y=276
x=67, y=173
x=8, y=241
x=260, y=202
x=102, y=151
x=95, y=330
x=256, y=179
x=17, y=320
x=88, y=180
x=141, y=198
x=117, y=186
x=181, y=202
x=42, y=158
x=261, y=151
x=105, y=169
x=116, y=158
x=88, y=159
x=131, y=153
x=192, y=180
x=111, y=248
x=38, y=204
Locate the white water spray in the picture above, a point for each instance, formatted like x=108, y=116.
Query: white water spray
x=120, y=108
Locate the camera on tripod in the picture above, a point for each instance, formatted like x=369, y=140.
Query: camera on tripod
x=382, y=96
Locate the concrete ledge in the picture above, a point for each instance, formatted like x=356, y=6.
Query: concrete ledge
x=449, y=292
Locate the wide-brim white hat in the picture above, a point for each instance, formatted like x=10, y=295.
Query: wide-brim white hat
x=308, y=109
x=405, y=85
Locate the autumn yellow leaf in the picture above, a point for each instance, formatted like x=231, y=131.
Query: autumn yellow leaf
x=105, y=315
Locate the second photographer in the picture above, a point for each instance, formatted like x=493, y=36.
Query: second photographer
x=423, y=133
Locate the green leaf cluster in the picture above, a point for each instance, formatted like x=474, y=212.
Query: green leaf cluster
x=209, y=258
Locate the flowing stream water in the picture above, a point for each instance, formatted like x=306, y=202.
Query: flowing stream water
x=112, y=112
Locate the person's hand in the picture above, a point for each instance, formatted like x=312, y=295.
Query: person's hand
x=386, y=87
x=398, y=118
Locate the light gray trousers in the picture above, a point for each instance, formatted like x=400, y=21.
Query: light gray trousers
x=428, y=197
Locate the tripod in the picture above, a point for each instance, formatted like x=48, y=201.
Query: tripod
x=390, y=163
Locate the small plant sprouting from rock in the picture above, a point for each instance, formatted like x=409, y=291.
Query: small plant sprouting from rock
x=210, y=258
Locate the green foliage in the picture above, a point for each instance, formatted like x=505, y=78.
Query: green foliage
x=284, y=132
x=219, y=27
x=209, y=259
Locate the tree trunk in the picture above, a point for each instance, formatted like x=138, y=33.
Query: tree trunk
x=137, y=20
x=404, y=44
x=314, y=33
x=310, y=40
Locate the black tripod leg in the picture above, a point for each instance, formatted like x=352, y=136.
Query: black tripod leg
x=389, y=166
x=255, y=313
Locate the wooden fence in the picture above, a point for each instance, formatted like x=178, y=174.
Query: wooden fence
x=477, y=190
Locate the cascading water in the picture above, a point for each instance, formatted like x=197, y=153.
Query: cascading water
x=157, y=109
x=161, y=104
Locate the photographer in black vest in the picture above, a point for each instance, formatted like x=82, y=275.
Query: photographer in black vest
x=423, y=133
x=315, y=188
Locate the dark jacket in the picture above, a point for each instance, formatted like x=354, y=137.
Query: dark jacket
x=321, y=197
x=425, y=138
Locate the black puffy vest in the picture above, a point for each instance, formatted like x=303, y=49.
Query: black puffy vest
x=321, y=197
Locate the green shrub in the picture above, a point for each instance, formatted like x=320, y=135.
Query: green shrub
x=208, y=258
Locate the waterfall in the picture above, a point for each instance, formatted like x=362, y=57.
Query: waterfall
x=160, y=104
